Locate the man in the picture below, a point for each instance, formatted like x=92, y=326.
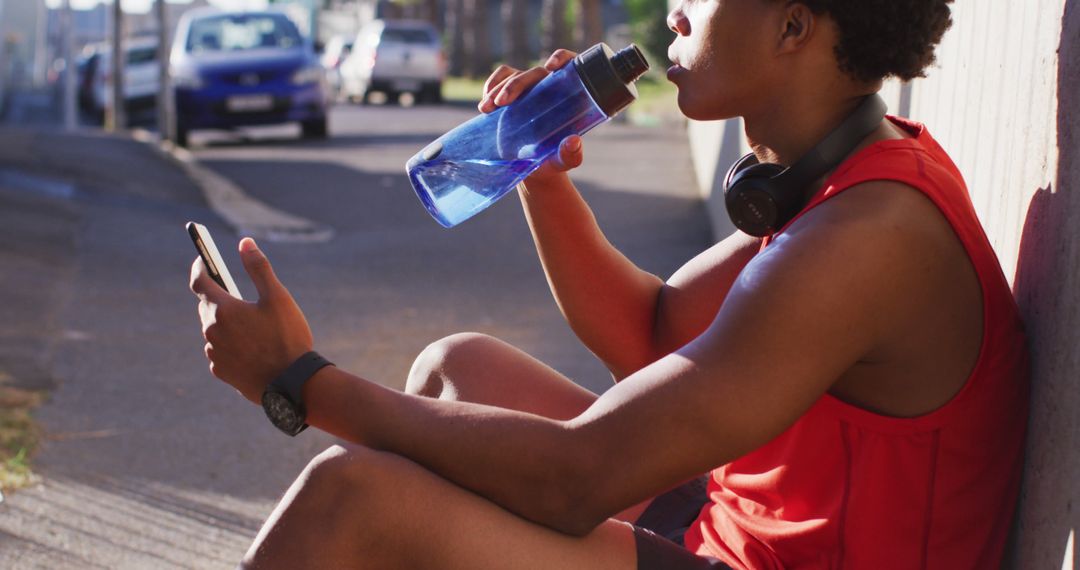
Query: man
x=854, y=386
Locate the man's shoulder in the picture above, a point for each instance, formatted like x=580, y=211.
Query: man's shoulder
x=880, y=238
x=874, y=213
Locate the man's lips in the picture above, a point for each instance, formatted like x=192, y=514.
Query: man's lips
x=674, y=71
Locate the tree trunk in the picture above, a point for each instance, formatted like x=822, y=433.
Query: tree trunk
x=478, y=42
x=392, y=11
x=164, y=105
x=432, y=13
x=67, y=25
x=515, y=34
x=590, y=24
x=114, y=113
x=553, y=27
x=455, y=28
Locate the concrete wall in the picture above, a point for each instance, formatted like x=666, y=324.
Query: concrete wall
x=1004, y=100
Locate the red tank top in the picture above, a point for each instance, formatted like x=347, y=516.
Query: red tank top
x=847, y=488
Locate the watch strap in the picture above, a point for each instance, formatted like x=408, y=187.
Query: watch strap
x=292, y=380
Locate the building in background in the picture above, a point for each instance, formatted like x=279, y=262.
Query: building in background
x=477, y=34
x=92, y=26
x=20, y=27
x=146, y=24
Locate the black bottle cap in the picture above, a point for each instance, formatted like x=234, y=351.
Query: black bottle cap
x=610, y=76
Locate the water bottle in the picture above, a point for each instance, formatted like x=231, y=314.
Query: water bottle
x=469, y=168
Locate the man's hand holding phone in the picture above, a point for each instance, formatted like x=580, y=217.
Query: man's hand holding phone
x=249, y=344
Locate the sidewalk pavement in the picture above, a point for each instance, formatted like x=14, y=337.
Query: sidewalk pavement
x=45, y=176
x=146, y=460
x=75, y=211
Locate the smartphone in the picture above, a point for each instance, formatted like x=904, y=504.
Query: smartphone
x=211, y=257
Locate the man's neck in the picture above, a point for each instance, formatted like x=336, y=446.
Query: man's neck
x=784, y=132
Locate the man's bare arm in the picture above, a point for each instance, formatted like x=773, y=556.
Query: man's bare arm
x=795, y=320
x=625, y=315
x=799, y=315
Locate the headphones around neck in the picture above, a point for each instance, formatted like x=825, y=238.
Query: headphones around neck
x=762, y=197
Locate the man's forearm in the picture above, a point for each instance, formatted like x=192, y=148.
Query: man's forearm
x=528, y=464
x=608, y=301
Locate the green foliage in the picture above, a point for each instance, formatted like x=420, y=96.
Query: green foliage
x=18, y=437
x=648, y=24
x=657, y=103
x=570, y=15
x=463, y=89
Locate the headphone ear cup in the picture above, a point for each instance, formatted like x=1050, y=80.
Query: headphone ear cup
x=751, y=197
x=736, y=169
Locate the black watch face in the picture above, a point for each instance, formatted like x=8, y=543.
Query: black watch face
x=284, y=414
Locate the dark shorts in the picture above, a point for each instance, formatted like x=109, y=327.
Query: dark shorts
x=659, y=531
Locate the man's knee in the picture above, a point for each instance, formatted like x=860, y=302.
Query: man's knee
x=334, y=469
x=350, y=476
x=355, y=494
x=434, y=369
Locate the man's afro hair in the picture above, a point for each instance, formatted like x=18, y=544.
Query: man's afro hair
x=885, y=38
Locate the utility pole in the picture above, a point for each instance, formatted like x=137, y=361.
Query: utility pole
x=164, y=104
x=41, y=43
x=67, y=31
x=115, y=119
x=314, y=9
x=3, y=65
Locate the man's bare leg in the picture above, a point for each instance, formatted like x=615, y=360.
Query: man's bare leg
x=472, y=367
x=359, y=508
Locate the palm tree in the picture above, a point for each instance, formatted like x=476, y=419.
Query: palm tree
x=455, y=26
x=431, y=12
x=590, y=24
x=478, y=43
x=553, y=27
x=515, y=33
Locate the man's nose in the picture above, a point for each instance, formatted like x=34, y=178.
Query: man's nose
x=677, y=22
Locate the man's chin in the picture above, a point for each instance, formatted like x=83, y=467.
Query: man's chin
x=702, y=110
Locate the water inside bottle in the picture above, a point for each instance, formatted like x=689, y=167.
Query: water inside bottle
x=454, y=190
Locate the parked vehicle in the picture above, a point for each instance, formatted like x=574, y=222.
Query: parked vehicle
x=234, y=69
x=394, y=57
x=141, y=78
x=335, y=53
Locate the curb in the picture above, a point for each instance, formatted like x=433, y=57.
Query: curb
x=246, y=215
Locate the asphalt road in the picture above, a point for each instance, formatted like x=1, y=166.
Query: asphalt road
x=150, y=462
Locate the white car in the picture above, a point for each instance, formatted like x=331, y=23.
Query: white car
x=395, y=57
x=141, y=77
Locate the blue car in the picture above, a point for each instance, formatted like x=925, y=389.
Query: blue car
x=235, y=69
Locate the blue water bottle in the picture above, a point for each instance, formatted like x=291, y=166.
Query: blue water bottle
x=467, y=169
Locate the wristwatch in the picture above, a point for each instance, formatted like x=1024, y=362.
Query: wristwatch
x=283, y=398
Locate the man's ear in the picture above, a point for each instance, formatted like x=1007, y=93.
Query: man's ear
x=797, y=27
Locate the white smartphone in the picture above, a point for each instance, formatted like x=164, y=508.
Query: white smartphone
x=211, y=257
